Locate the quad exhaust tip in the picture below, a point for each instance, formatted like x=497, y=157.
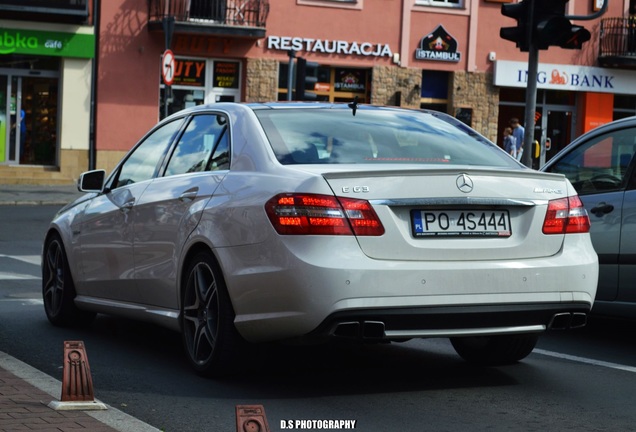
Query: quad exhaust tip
x=568, y=320
x=359, y=330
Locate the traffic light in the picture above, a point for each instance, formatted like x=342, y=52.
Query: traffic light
x=552, y=28
x=520, y=35
x=541, y=24
x=306, y=80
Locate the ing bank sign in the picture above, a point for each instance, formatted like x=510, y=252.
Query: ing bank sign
x=566, y=77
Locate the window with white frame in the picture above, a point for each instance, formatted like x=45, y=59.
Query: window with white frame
x=348, y=4
x=442, y=3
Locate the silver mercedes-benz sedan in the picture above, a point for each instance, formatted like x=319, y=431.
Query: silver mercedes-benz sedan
x=236, y=223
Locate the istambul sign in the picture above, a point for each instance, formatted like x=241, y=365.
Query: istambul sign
x=438, y=45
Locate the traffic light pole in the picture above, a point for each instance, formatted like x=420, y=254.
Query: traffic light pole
x=290, y=74
x=531, y=105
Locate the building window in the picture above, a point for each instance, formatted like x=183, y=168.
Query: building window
x=348, y=4
x=442, y=3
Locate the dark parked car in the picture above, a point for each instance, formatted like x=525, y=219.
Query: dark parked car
x=601, y=166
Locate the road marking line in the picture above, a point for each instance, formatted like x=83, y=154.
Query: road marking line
x=31, y=259
x=26, y=301
x=16, y=276
x=586, y=360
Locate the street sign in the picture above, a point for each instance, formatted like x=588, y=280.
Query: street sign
x=167, y=67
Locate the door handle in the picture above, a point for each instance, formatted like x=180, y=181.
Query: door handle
x=601, y=208
x=127, y=205
x=189, y=195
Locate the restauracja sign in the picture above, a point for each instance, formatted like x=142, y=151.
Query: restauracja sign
x=286, y=43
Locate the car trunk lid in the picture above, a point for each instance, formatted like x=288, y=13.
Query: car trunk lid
x=455, y=213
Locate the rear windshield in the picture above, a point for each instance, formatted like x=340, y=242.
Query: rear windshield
x=375, y=136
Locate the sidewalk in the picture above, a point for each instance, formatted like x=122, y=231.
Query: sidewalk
x=25, y=393
x=38, y=194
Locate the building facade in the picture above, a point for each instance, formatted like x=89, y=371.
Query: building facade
x=46, y=60
x=439, y=54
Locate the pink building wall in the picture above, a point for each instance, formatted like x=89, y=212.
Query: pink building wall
x=129, y=55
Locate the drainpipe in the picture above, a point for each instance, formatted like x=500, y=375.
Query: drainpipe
x=94, y=68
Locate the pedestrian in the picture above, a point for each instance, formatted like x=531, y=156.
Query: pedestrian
x=510, y=142
x=518, y=132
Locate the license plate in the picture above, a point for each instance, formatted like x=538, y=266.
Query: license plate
x=461, y=223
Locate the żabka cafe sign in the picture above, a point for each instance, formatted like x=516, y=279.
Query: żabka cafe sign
x=48, y=43
x=284, y=43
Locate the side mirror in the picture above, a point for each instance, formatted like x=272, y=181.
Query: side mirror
x=91, y=181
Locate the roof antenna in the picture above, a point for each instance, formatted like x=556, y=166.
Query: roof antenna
x=354, y=105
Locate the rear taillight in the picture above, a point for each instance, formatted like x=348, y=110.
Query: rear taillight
x=566, y=215
x=322, y=215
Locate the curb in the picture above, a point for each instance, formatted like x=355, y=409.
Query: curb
x=111, y=417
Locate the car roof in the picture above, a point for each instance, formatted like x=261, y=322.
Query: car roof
x=231, y=106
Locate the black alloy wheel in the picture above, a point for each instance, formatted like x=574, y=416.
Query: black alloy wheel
x=58, y=289
x=207, y=319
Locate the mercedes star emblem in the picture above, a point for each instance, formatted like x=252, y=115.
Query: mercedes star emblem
x=464, y=183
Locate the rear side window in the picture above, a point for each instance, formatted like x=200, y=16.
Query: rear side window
x=143, y=162
x=600, y=164
x=375, y=136
x=202, y=147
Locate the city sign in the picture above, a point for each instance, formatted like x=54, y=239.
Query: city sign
x=167, y=67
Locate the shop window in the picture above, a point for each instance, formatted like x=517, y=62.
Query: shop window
x=333, y=84
x=435, y=84
x=199, y=81
x=509, y=94
x=18, y=61
x=434, y=93
x=441, y=3
x=559, y=97
x=624, y=106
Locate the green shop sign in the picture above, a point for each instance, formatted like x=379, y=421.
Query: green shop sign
x=19, y=41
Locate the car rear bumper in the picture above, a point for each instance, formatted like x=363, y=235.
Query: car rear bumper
x=299, y=292
x=451, y=321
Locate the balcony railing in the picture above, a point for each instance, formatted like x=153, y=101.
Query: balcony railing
x=246, y=13
x=618, y=42
x=75, y=11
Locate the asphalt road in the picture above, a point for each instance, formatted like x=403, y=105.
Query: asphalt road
x=579, y=380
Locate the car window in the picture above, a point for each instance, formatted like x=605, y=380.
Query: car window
x=143, y=161
x=202, y=147
x=599, y=165
x=336, y=136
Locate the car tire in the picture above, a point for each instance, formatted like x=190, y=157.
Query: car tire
x=210, y=338
x=58, y=288
x=495, y=350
